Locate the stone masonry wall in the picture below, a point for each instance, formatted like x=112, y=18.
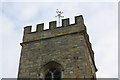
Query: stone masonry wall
x=66, y=45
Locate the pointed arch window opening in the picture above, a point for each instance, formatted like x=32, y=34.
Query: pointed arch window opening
x=53, y=74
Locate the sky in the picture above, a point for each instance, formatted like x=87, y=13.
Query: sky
x=100, y=18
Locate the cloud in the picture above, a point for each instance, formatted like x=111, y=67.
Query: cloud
x=28, y=11
x=103, y=29
x=10, y=47
x=23, y=11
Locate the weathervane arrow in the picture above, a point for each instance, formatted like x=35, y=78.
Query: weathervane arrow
x=59, y=16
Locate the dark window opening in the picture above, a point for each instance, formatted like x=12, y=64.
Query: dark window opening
x=53, y=74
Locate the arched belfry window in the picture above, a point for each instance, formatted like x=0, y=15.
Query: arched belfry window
x=52, y=71
x=53, y=74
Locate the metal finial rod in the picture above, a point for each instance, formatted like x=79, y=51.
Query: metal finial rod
x=59, y=16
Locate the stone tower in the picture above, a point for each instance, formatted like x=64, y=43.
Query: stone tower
x=58, y=52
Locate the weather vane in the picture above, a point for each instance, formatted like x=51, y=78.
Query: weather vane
x=59, y=16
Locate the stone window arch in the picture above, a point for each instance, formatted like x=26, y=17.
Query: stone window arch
x=52, y=71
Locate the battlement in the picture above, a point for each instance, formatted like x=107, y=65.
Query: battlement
x=53, y=30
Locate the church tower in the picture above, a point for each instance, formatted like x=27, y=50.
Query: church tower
x=58, y=52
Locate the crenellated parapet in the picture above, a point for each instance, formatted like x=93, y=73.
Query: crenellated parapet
x=53, y=30
x=65, y=49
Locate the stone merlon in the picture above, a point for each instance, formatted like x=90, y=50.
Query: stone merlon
x=53, y=30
